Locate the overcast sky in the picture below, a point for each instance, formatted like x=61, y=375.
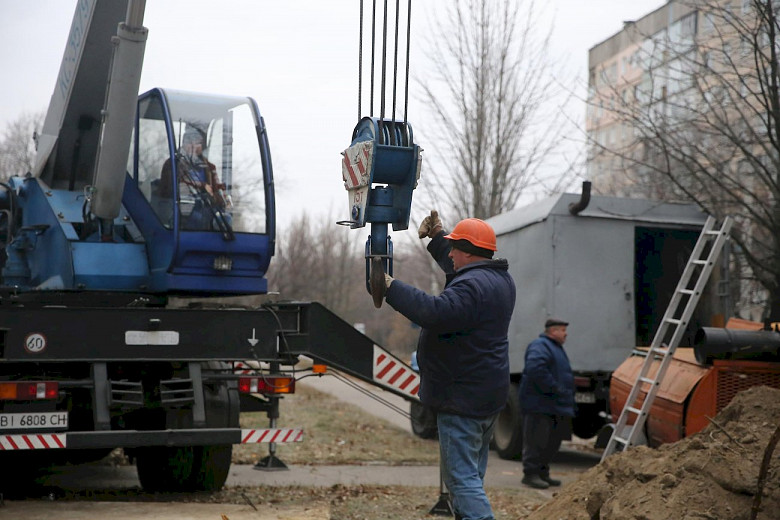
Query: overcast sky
x=297, y=58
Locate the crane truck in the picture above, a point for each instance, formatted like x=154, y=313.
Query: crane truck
x=99, y=239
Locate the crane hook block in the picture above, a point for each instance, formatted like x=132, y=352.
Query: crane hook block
x=382, y=156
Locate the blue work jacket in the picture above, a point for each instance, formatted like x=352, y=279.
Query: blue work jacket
x=463, y=351
x=547, y=386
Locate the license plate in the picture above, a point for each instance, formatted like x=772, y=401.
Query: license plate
x=584, y=397
x=34, y=421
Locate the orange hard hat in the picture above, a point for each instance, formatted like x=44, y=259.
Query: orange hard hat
x=475, y=231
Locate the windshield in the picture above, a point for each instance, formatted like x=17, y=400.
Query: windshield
x=216, y=174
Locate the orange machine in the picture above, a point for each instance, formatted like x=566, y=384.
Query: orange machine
x=690, y=392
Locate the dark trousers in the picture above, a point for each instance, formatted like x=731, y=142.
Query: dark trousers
x=542, y=436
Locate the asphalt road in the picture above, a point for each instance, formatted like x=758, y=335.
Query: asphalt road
x=573, y=459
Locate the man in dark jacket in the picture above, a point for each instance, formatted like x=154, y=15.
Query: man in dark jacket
x=547, y=403
x=463, y=352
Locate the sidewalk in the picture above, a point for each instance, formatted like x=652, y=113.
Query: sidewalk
x=568, y=466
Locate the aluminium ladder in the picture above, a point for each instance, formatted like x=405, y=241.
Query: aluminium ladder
x=671, y=323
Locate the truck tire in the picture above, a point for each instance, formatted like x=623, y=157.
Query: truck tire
x=193, y=468
x=508, y=432
x=423, y=421
x=587, y=422
x=163, y=469
x=183, y=469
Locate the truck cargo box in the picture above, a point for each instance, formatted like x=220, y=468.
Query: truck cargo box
x=609, y=270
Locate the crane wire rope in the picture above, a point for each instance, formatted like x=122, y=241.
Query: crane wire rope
x=368, y=393
x=384, y=61
x=408, y=47
x=360, y=61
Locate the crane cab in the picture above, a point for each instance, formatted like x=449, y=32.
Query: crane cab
x=200, y=191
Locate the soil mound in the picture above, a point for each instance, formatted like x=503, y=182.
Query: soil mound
x=712, y=475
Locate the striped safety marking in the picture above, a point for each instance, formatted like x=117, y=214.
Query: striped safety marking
x=244, y=368
x=356, y=164
x=38, y=441
x=391, y=371
x=278, y=435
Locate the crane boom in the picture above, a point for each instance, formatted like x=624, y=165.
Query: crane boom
x=97, y=85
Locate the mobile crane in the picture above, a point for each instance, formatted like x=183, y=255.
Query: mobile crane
x=100, y=236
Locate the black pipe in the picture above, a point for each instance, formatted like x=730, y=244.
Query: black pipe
x=716, y=343
x=576, y=207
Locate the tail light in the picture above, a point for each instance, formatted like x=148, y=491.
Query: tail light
x=266, y=385
x=581, y=382
x=28, y=391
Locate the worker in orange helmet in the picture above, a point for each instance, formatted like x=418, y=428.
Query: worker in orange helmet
x=463, y=351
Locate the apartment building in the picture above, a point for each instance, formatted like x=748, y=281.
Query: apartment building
x=619, y=79
x=687, y=89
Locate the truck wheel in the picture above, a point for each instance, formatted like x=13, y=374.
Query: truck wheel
x=193, y=468
x=183, y=469
x=508, y=433
x=587, y=422
x=212, y=468
x=164, y=469
x=423, y=421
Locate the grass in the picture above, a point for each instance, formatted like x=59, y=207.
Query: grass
x=340, y=433
x=335, y=433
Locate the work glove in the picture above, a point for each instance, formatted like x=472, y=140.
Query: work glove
x=388, y=280
x=430, y=226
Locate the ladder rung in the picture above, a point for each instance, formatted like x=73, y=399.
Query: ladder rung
x=700, y=262
x=648, y=380
x=621, y=440
x=711, y=232
x=673, y=321
x=660, y=350
x=636, y=411
x=687, y=291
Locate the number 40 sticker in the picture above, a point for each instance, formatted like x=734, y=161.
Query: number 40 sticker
x=35, y=343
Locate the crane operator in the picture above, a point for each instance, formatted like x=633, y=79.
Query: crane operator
x=201, y=195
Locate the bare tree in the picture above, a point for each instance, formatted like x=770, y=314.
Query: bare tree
x=17, y=147
x=319, y=261
x=704, y=125
x=489, y=89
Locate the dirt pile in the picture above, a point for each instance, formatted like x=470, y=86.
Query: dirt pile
x=712, y=475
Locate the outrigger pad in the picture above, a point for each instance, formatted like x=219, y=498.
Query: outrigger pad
x=377, y=281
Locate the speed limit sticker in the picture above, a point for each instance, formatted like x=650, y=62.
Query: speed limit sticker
x=35, y=343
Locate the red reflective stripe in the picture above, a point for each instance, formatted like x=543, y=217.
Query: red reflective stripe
x=408, y=381
x=273, y=439
x=385, y=370
x=42, y=439
x=286, y=437
x=260, y=439
x=248, y=435
x=298, y=437
x=380, y=359
x=58, y=441
x=27, y=441
x=397, y=375
x=416, y=389
x=351, y=171
x=361, y=167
